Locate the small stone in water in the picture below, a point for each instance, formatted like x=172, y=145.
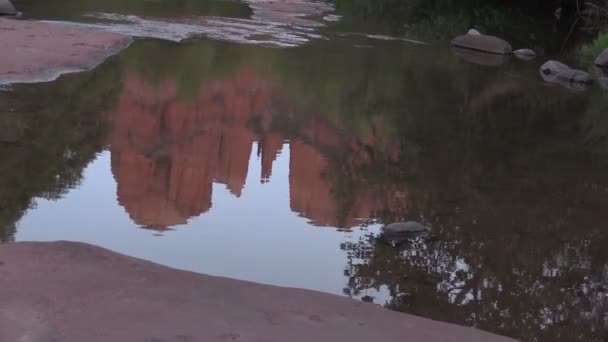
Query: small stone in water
x=560, y=73
x=525, y=54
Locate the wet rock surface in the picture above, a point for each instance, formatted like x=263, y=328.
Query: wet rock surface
x=409, y=227
x=480, y=58
x=236, y=30
x=34, y=51
x=273, y=23
x=560, y=73
x=93, y=294
x=404, y=231
x=483, y=43
x=289, y=11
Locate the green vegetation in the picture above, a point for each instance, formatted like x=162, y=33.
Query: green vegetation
x=590, y=52
x=61, y=128
x=189, y=66
x=526, y=24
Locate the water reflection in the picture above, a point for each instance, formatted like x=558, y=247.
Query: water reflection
x=285, y=23
x=242, y=150
x=532, y=292
x=46, y=143
x=167, y=152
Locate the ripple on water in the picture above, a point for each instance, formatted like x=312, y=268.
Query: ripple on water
x=275, y=24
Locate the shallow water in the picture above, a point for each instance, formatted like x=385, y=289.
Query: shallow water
x=279, y=165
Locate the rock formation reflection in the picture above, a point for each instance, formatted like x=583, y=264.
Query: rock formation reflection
x=168, y=151
x=508, y=172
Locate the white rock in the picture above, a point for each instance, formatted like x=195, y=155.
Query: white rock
x=560, y=73
x=525, y=54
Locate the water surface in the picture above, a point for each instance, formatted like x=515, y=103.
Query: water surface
x=279, y=165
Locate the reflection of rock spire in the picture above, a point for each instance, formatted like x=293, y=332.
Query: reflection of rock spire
x=166, y=152
x=269, y=148
x=310, y=193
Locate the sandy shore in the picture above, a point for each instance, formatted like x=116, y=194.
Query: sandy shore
x=74, y=292
x=35, y=51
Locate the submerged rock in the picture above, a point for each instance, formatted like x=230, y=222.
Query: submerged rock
x=483, y=43
x=402, y=231
x=602, y=60
x=36, y=51
x=480, y=58
x=560, y=73
x=525, y=54
x=7, y=8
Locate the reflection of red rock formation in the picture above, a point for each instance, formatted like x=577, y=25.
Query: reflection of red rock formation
x=269, y=148
x=316, y=192
x=167, y=152
x=309, y=192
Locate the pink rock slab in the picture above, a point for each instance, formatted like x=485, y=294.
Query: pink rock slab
x=35, y=51
x=74, y=292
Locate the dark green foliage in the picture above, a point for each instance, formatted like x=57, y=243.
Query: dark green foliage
x=62, y=130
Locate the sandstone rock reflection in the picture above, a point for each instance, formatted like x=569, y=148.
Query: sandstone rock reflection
x=167, y=152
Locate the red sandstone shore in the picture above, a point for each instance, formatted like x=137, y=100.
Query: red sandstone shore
x=35, y=51
x=73, y=292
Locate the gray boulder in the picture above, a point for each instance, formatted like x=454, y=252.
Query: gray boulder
x=7, y=8
x=525, y=54
x=474, y=32
x=602, y=60
x=560, y=73
x=402, y=231
x=482, y=43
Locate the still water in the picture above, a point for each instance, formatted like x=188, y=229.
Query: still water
x=277, y=159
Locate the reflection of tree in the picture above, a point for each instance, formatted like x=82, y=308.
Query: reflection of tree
x=491, y=158
x=499, y=169
x=556, y=298
x=520, y=254
x=57, y=135
x=502, y=160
